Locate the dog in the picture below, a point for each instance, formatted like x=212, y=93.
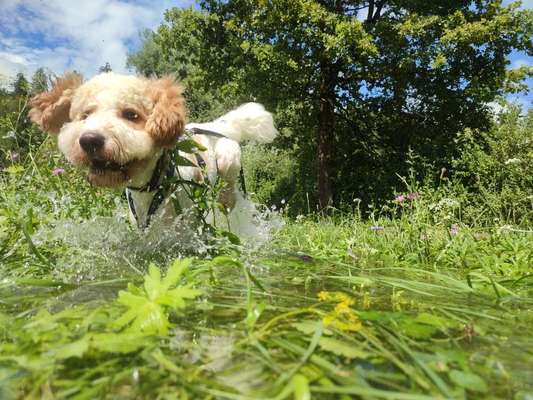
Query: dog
x=121, y=128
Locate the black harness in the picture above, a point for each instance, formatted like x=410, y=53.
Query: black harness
x=165, y=171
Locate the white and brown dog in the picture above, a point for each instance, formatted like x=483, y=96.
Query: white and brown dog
x=119, y=127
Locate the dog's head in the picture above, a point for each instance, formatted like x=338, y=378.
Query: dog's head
x=115, y=125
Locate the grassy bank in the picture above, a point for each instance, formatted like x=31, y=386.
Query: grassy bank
x=410, y=303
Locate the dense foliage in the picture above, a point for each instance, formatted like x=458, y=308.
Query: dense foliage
x=494, y=170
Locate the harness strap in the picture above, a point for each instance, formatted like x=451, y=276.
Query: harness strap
x=200, y=161
x=131, y=205
x=200, y=131
x=242, y=182
x=153, y=185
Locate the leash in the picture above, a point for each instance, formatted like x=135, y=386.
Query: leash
x=164, y=176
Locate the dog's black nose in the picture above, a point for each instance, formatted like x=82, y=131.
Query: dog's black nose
x=91, y=142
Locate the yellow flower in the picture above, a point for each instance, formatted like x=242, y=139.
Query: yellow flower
x=323, y=296
x=351, y=323
x=342, y=316
x=342, y=308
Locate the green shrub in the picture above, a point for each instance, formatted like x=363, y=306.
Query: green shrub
x=17, y=135
x=269, y=174
x=495, y=169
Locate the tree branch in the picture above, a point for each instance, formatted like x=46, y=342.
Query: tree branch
x=377, y=14
x=370, y=11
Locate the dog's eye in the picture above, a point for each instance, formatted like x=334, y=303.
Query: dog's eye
x=130, y=115
x=85, y=115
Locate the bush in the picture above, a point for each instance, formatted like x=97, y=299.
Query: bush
x=17, y=135
x=269, y=174
x=495, y=169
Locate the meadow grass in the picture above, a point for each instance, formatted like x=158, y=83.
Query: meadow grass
x=403, y=304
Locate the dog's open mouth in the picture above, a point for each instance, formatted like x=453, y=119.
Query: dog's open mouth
x=100, y=167
x=107, y=173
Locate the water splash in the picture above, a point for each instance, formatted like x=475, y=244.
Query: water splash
x=104, y=247
x=254, y=224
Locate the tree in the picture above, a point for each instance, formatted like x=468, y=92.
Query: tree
x=149, y=60
x=204, y=102
x=105, y=68
x=21, y=86
x=39, y=81
x=384, y=84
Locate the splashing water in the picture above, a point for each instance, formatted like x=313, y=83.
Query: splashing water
x=106, y=246
x=254, y=224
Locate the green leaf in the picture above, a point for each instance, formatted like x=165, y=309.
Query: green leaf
x=165, y=362
x=118, y=342
x=148, y=309
x=342, y=348
x=175, y=298
x=184, y=162
x=224, y=260
x=190, y=146
x=418, y=331
x=125, y=318
x=309, y=327
x=152, y=282
x=74, y=349
x=433, y=320
x=43, y=283
x=468, y=380
x=373, y=315
x=175, y=271
x=32, y=363
x=301, y=387
x=151, y=319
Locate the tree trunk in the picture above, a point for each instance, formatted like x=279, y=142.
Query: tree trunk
x=325, y=134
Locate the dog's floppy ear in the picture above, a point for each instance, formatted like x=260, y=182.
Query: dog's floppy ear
x=167, y=120
x=50, y=110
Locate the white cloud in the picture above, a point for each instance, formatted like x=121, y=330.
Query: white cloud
x=82, y=35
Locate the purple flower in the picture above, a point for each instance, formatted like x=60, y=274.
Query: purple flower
x=57, y=171
x=400, y=198
x=454, y=230
x=412, y=196
x=376, y=228
x=15, y=156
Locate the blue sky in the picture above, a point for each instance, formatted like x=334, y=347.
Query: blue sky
x=83, y=35
x=65, y=34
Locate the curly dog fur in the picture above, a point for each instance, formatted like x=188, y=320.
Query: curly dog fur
x=117, y=126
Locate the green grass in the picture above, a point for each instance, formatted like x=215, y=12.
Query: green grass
x=338, y=307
